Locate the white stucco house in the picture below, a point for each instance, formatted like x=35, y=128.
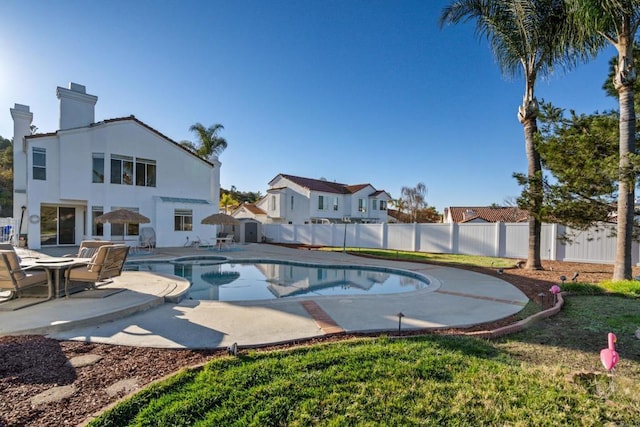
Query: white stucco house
x=64, y=179
x=297, y=200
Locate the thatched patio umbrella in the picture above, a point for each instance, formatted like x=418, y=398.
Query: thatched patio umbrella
x=220, y=219
x=122, y=216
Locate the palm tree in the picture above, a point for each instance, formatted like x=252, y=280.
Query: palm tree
x=209, y=143
x=227, y=200
x=527, y=37
x=616, y=22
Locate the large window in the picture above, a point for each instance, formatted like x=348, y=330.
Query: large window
x=98, y=168
x=374, y=205
x=39, y=163
x=96, y=229
x=145, y=172
x=121, y=170
x=183, y=220
x=383, y=205
x=119, y=230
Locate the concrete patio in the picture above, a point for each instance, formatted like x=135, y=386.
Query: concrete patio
x=152, y=312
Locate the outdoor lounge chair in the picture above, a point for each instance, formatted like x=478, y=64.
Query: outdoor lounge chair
x=147, y=238
x=88, y=248
x=16, y=279
x=106, y=264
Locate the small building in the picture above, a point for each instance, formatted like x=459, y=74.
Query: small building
x=63, y=180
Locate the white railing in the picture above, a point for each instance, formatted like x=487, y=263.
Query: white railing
x=509, y=240
x=8, y=231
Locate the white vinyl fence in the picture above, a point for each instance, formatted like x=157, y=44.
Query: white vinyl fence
x=509, y=240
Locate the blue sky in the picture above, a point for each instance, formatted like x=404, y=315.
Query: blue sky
x=351, y=91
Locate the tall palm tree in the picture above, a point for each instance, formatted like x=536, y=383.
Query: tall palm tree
x=528, y=38
x=209, y=143
x=616, y=22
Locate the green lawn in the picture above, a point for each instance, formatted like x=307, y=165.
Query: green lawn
x=549, y=374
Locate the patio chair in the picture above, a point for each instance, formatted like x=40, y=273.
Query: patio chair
x=106, y=264
x=88, y=248
x=147, y=238
x=15, y=279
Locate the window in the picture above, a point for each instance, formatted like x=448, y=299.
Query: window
x=272, y=203
x=291, y=203
x=383, y=205
x=183, y=220
x=96, y=229
x=362, y=206
x=98, y=168
x=39, y=163
x=322, y=204
x=374, y=205
x=118, y=230
x=121, y=170
x=145, y=172
x=335, y=203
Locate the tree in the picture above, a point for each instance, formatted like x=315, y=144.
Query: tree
x=581, y=153
x=528, y=37
x=415, y=199
x=616, y=22
x=209, y=143
x=226, y=201
x=6, y=177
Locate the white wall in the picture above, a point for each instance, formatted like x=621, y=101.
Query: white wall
x=508, y=240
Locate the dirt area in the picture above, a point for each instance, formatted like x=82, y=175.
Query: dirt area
x=31, y=365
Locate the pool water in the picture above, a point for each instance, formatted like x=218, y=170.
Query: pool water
x=242, y=281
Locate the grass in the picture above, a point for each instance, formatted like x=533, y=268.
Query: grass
x=472, y=260
x=548, y=374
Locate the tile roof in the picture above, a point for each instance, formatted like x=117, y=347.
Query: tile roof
x=487, y=213
x=251, y=207
x=328, y=186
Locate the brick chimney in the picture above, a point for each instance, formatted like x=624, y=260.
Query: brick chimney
x=77, y=108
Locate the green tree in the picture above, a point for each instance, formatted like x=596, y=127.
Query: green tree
x=227, y=201
x=616, y=22
x=528, y=37
x=209, y=142
x=581, y=154
x=6, y=177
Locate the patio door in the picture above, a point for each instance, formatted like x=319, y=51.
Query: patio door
x=57, y=225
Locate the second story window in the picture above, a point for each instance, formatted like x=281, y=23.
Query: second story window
x=121, y=170
x=272, y=203
x=39, y=163
x=362, y=205
x=322, y=204
x=335, y=203
x=291, y=203
x=383, y=205
x=98, y=168
x=374, y=205
x=145, y=172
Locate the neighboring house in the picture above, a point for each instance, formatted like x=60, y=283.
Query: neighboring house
x=63, y=180
x=297, y=200
x=484, y=214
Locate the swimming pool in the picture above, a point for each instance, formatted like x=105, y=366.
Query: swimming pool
x=222, y=280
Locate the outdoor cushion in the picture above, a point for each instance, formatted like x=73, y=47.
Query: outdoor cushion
x=87, y=252
x=14, y=265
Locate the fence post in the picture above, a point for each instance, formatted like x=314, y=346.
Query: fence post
x=497, y=238
x=384, y=235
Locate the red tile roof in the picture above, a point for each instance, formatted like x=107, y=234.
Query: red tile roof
x=328, y=186
x=487, y=213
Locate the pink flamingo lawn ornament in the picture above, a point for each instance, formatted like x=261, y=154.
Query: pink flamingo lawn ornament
x=609, y=356
x=555, y=290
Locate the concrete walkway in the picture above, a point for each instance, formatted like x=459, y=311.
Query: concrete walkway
x=146, y=314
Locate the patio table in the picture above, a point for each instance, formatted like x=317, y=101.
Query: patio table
x=56, y=268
